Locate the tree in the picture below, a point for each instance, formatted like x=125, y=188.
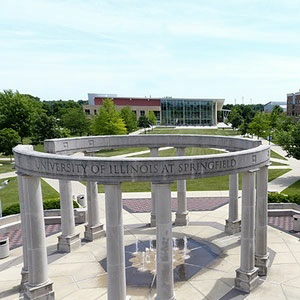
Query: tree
x=260, y=125
x=9, y=138
x=143, y=122
x=109, y=120
x=129, y=119
x=235, y=117
x=46, y=127
x=151, y=117
x=290, y=140
x=76, y=121
x=60, y=107
x=17, y=112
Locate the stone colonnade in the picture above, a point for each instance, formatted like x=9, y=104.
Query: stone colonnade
x=37, y=285
x=182, y=212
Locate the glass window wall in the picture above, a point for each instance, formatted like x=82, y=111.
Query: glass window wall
x=187, y=112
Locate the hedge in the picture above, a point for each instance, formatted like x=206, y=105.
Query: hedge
x=48, y=204
x=282, y=198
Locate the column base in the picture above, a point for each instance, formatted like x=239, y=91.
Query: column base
x=24, y=279
x=68, y=244
x=262, y=264
x=246, y=281
x=41, y=292
x=232, y=227
x=182, y=219
x=93, y=232
x=153, y=221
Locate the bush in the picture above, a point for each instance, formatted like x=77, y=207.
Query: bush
x=282, y=198
x=48, y=204
x=11, y=210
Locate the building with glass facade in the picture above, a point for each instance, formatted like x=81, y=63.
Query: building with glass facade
x=188, y=112
x=168, y=111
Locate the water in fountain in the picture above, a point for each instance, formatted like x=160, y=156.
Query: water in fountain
x=184, y=247
x=151, y=244
x=143, y=261
x=147, y=255
x=174, y=243
x=136, y=246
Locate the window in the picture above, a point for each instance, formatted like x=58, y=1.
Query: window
x=142, y=113
x=87, y=111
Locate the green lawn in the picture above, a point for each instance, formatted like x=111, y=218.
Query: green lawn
x=107, y=153
x=225, y=132
x=276, y=155
x=9, y=195
x=275, y=163
x=7, y=166
x=219, y=183
x=188, y=152
x=293, y=189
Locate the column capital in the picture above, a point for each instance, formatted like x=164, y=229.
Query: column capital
x=180, y=151
x=19, y=173
x=154, y=151
x=253, y=171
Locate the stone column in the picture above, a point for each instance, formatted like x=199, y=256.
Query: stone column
x=22, y=195
x=247, y=274
x=153, y=153
x=68, y=240
x=261, y=251
x=94, y=228
x=116, y=281
x=38, y=286
x=233, y=224
x=182, y=218
x=164, y=255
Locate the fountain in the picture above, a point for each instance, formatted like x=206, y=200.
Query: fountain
x=189, y=257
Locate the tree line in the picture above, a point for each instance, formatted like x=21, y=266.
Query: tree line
x=25, y=116
x=276, y=126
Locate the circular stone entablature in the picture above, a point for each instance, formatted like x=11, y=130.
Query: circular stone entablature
x=246, y=155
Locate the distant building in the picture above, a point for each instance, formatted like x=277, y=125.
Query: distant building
x=168, y=111
x=293, y=104
x=270, y=105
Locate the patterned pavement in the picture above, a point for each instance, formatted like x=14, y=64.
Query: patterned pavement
x=283, y=223
x=143, y=205
x=15, y=236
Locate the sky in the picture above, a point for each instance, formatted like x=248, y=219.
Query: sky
x=246, y=51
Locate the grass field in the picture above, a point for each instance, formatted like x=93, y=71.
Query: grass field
x=9, y=195
x=108, y=153
x=219, y=183
x=276, y=155
x=7, y=166
x=275, y=163
x=188, y=152
x=293, y=189
x=226, y=132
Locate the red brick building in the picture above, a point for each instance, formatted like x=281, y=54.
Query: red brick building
x=293, y=104
x=168, y=110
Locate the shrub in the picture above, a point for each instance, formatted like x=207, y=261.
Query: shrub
x=48, y=204
x=11, y=210
x=282, y=198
